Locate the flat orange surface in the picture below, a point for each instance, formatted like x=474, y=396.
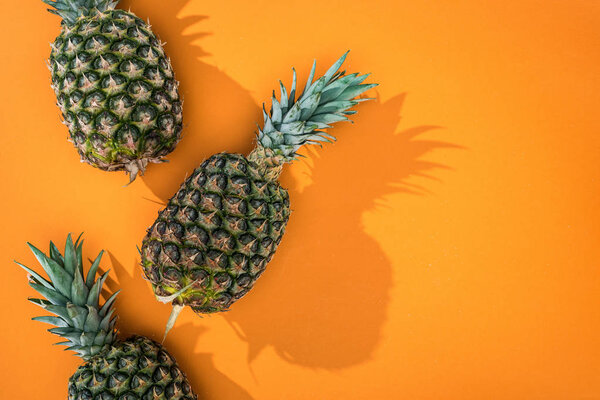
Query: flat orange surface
x=446, y=247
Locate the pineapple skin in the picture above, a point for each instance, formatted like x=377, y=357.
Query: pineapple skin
x=116, y=91
x=133, y=369
x=216, y=235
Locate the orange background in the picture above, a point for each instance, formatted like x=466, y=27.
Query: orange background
x=445, y=248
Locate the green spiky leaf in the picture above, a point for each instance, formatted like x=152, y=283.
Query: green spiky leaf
x=61, y=311
x=66, y=333
x=79, y=291
x=56, y=321
x=55, y=255
x=292, y=123
x=36, y=277
x=71, y=10
x=70, y=255
x=89, y=281
x=52, y=295
x=61, y=280
x=93, y=297
x=79, y=252
x=77, y=315
x=109, y=303
x=100, y=338
x=75, y=302
x=92, y=322
x=105, y=323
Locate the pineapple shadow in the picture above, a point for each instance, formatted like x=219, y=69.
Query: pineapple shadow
x=209, y=98
x=140, y=318
x=322, y=300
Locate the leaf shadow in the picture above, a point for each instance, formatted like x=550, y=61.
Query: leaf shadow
x=323, y=300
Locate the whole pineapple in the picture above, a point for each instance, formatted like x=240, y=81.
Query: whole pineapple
x=114, y=86
x=218, y=232
x=134, y=368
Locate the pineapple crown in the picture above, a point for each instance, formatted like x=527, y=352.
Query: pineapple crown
x=87, y=327
x=293, y=123
x=71, y=10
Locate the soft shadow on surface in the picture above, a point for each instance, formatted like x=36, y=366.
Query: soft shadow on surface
x=218, y=113
x=323, y=300
x=143, y=309
x=206, y=380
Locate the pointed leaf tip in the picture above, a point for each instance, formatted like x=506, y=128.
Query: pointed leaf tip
x=37, y=278
x=89, y=280
x=333, y=69
x=60, y=279
x=70, y=259
x=310, y=77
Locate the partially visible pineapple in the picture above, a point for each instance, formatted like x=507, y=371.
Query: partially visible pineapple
x=134, y=368
x=210, y=244
x=114, y=86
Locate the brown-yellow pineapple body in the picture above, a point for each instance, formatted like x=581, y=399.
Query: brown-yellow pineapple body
x=115, y=88
x=135, y=368
x=216, y=235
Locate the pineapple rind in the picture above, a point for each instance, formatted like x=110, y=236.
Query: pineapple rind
x=136, y=368
x=116, y=90
x=216, y=234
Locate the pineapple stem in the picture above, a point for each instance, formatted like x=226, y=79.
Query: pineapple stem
x=269, y=164
x=136, y=168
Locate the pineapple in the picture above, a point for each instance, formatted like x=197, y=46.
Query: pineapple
x=134, y=368
x=216, y=235
x=114, y=86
